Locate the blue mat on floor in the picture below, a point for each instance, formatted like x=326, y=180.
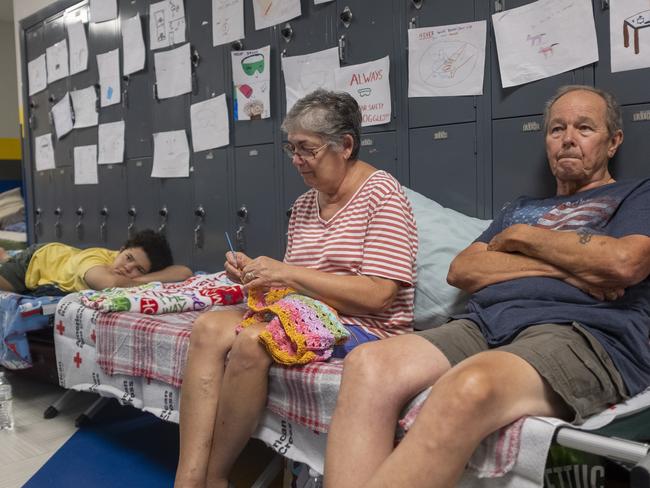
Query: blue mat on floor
x=121, y=447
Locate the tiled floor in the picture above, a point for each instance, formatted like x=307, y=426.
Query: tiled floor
x=34, y=439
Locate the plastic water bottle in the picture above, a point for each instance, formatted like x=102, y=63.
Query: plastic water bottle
x=6, y=404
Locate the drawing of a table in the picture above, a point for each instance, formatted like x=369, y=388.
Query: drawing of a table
x=636, y=22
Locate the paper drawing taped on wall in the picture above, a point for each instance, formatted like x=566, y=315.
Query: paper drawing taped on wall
x=447, y=63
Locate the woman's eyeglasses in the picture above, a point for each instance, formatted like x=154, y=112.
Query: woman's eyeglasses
x=302, y=152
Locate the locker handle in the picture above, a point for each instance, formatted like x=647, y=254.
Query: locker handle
x=604, y=4
x=287, y=32
x=131, y=227
x=125, y=91
x=342, y=48
x=196, y=59
x=417, y=4
x=80, y=212
x=104, y=212
x=37, y=221
x=289, y=211
x=242, y=213
x=57, y=223
x=102, y=227
x=154, y=89
x=198, y=236
x=240, y=238
x=163, y=222
x=413, y=23
x=200, y=212
x=237, y=45
x=346, y=16
x=499, y=5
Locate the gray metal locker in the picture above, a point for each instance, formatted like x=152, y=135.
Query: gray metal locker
x=137, y=90
x=429, y=111
x=519, y=166
x=143, y=196
x=85, y=200
x=380, y=150
x=112, y=207
x=54, y=31
x=444, y=165
x=632, y=160
x=212, y=211
x=42, y=206
x=628, y=86
x=256, y=194
x=248, y=132
x=527, y=99
x=176, y=216
x=367, y=33
x=64, y=210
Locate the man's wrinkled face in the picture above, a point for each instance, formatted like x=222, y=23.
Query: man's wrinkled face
x=131, y=262
x=578, y=145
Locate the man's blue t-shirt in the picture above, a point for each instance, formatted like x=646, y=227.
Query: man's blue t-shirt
x=622, y=326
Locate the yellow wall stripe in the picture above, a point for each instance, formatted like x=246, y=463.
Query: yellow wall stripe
x=10, y=149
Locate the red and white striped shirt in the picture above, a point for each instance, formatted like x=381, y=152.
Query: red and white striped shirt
x=373, y=234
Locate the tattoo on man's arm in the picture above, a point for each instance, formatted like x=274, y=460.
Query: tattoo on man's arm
x=584, y=235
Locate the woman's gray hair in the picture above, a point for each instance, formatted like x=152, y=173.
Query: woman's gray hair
x=613, y=114
x=331, y=115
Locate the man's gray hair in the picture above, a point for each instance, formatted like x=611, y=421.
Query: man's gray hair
x=330, y=115
x=613, y=115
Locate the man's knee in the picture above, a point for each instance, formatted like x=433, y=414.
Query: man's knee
x=469, y=390
x=212, y=330
x=248, y=352
x=366, y=366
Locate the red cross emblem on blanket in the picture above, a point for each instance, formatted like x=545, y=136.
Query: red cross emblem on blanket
x=93, y=336
x=60, y=327
x=77, y=359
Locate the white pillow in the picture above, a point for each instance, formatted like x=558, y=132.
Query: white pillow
x=442, y=234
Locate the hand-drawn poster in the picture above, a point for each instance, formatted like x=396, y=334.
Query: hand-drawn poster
x=103, y=10
x=173, y=72
x=252, y=82
x=37, y=74
x=78, y=47
x=108, y=65
x=544, y=38
x=166, y=23
x=271, y=12
x=44, y=152
x=133, y=45
x=85, y=165
x=303, y=74
x=369, y=84
x=209, y=120
x=447, y=60
x=62, y=115
x=629, y=34
x=227, y=21
x=57, y=61
x=110, y=139
x=171, y=155
x=84, y=104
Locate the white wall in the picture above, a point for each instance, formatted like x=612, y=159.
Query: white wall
x=22, y=9
x=9, y=124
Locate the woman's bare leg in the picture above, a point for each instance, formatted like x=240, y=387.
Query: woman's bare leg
x=213, y=334
x=242, y=400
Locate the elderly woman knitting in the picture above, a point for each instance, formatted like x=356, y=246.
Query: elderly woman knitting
x=351, y=247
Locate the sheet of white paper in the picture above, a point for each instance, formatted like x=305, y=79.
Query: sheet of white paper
x=447, y=60
x=166, y=23
x=62, y=115
x=369, y=84
x=544, y=38
x=271, y=12
x=103, y=10
x=629, y=34
x=44, y=152
x=110, y=139
x=227, y=21
x=85, y=165
x=252, y=80
x=84, y=104
x=173, y=72
x=57, y=61
x=133, y=45
x=209, y=121
x=78, y=47
x=171, y=155
x=37, y=74
x=108, y=65
x=303, y=74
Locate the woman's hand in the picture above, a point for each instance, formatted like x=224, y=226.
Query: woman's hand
x=264, y=272
x=234, y=264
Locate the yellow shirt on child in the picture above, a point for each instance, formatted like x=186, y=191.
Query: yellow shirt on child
x=65, y=266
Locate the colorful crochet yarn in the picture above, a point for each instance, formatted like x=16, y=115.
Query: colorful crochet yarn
x=300, y=329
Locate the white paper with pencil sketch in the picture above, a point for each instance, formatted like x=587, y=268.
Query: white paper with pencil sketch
x=57, y=61
x=110, y=137
x=108, y=66
x=543, y=39
x=78, y=47
x=227, y=21
x=166, y=23
x=133, y=45
x=62, y=116
x=85, y=165
x=271, y=12
x=171, y=155
x=209, y=121
x=84, y=104
x=304, y=74
x=37, y=75
x=44, y=152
